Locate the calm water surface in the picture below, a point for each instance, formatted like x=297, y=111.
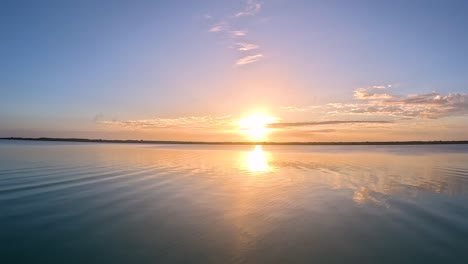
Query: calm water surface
x=116, y=203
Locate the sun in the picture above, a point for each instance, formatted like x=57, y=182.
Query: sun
x=256, y=126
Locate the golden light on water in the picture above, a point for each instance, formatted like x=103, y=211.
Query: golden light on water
x=256, y=126
x=257, y=160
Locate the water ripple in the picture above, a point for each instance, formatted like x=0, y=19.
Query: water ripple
x=225, y=204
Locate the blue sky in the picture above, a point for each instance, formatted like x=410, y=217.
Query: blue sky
x=146, y=69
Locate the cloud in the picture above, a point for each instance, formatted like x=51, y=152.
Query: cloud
x=252, y=8
x=227, y=26
x=431, y=105
x=321, y=130
x=249, y=59
x=293, y=108
x=369, y=94
x=372, y=101
x=246, y=46
x=217, y=27
x=359, y=113
x=429, y=98
x=381, y=86
x=318, y=123
x=179, y=122
x=238, y=33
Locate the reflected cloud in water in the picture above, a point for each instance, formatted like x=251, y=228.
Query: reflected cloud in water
x=247, y=204
x=370, y=174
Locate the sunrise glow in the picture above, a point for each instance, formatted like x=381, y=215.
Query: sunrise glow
x=256, y=131
x=256, y=126
x=235, y=71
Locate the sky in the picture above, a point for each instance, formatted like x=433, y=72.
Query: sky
x=237, y=70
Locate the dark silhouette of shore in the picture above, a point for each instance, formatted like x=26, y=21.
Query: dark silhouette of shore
x=238, y=143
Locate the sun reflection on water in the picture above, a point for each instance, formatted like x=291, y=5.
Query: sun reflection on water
x=257, y=160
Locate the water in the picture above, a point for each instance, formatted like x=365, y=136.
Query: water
x=123, y=203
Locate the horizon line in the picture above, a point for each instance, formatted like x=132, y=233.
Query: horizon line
x=140, y=141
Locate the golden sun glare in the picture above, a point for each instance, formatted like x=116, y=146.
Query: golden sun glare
x=257, y=160
x=256, y=126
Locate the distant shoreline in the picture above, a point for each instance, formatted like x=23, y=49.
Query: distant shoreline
x=84, y=140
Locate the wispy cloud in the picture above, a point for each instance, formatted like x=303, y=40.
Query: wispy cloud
x=293, y=108
x=249, y=59
x=238, y=33
x=321, y=130
x=179, y=122
x=405, y=112
x=334, y=122
x=217, y=28
x=252, y=8
x=247, y=46
x=229, y=30
x=369, y=93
